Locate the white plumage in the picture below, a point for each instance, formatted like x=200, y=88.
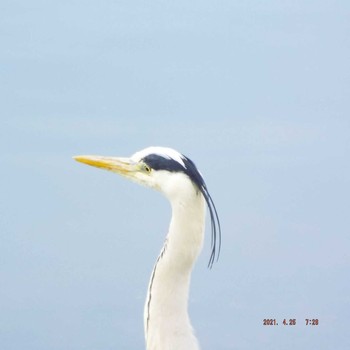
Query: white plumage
x=166, y=320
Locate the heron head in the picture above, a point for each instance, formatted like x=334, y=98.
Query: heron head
x=163, y=169
x=160, y=168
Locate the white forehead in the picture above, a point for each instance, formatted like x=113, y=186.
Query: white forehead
x=165, y=152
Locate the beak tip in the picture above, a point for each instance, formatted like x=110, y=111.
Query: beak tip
x=83, y=159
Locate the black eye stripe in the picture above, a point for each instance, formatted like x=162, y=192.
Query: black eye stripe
x=158, y=162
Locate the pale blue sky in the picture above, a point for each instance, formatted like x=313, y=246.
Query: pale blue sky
x=256, y=93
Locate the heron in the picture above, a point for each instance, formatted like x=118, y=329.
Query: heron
x=167, y=325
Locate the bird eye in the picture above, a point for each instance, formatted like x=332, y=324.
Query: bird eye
x=146, y=168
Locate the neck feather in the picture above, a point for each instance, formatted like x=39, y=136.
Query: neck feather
x=167, y=324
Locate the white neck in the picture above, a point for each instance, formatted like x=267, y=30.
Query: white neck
x=166, y=320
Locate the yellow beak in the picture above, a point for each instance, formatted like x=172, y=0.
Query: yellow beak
x=122, y=166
